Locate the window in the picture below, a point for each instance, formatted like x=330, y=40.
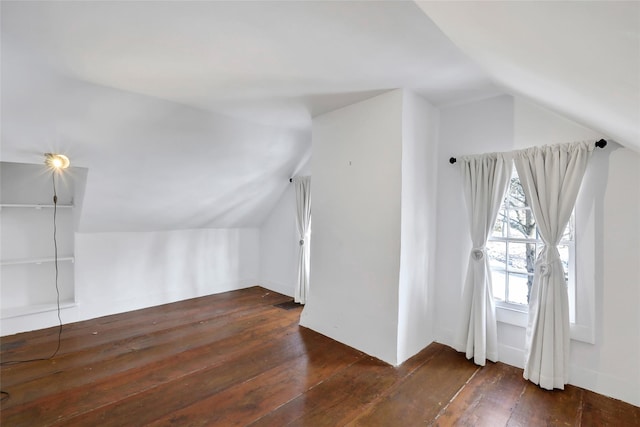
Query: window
x=513, y=247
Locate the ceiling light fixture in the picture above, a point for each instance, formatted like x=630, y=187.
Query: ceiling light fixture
x=56, y=161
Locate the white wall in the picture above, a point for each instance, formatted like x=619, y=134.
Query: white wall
x=355, y=247
x=418, y=236
x=611, y=365
x=466, y=129
x=607, y=240
x=279, y=246
x=117, y=272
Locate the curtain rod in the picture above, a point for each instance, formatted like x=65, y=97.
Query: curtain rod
x=600, y=144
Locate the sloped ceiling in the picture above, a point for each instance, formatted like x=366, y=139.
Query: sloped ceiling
x=195, y=114
x=581, y=59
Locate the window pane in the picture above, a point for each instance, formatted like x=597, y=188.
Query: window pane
x=522, y=257
x=564, y=257
x=500, y=227
x=521, y=224
x=497, y=252
x=515, y=193
x=498, y=278
x=518, y=289
x=568, y=232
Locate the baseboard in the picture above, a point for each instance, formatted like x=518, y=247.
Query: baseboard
x=623, y=389
x=89, y=310
x=276, y=287
x=506, y=354
x=608, y=385
x=85, y=310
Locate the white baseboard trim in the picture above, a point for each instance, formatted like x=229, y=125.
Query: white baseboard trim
x=276, y=287
x=625, y=389
x=85, y=310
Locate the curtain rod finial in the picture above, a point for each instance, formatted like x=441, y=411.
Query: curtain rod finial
x=601, y=144
x=452, y=160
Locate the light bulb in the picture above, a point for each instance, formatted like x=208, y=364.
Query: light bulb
x=56, y=161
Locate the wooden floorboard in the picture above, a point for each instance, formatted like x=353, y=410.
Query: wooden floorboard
x=487, y=399
x=235, y=359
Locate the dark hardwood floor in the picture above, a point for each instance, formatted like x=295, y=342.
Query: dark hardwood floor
x=236, y=359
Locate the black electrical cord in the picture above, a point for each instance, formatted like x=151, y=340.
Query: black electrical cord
x=55, y=261
x=5, y=394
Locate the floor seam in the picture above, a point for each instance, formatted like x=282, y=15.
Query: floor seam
x=444, y=408
x=517, y=402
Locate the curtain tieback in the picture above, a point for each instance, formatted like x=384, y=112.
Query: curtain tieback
x=478, y=253
x=551, y=256
x=545, y=270
x=301, y=242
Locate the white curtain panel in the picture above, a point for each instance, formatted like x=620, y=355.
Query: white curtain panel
x=551, y=178
x=485, y=181
x=303, y=219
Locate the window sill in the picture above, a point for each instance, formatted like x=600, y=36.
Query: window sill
x=512, y=316
x=516, y=317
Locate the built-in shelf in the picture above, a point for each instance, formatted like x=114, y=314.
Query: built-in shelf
x=28, y=254
x=6, y=313
x=34, y=206
x=36, y=260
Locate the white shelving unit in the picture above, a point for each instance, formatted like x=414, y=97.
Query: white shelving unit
x=27, y=262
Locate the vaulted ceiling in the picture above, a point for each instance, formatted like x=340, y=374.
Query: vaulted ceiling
x=194, y=114
x=578, y=58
